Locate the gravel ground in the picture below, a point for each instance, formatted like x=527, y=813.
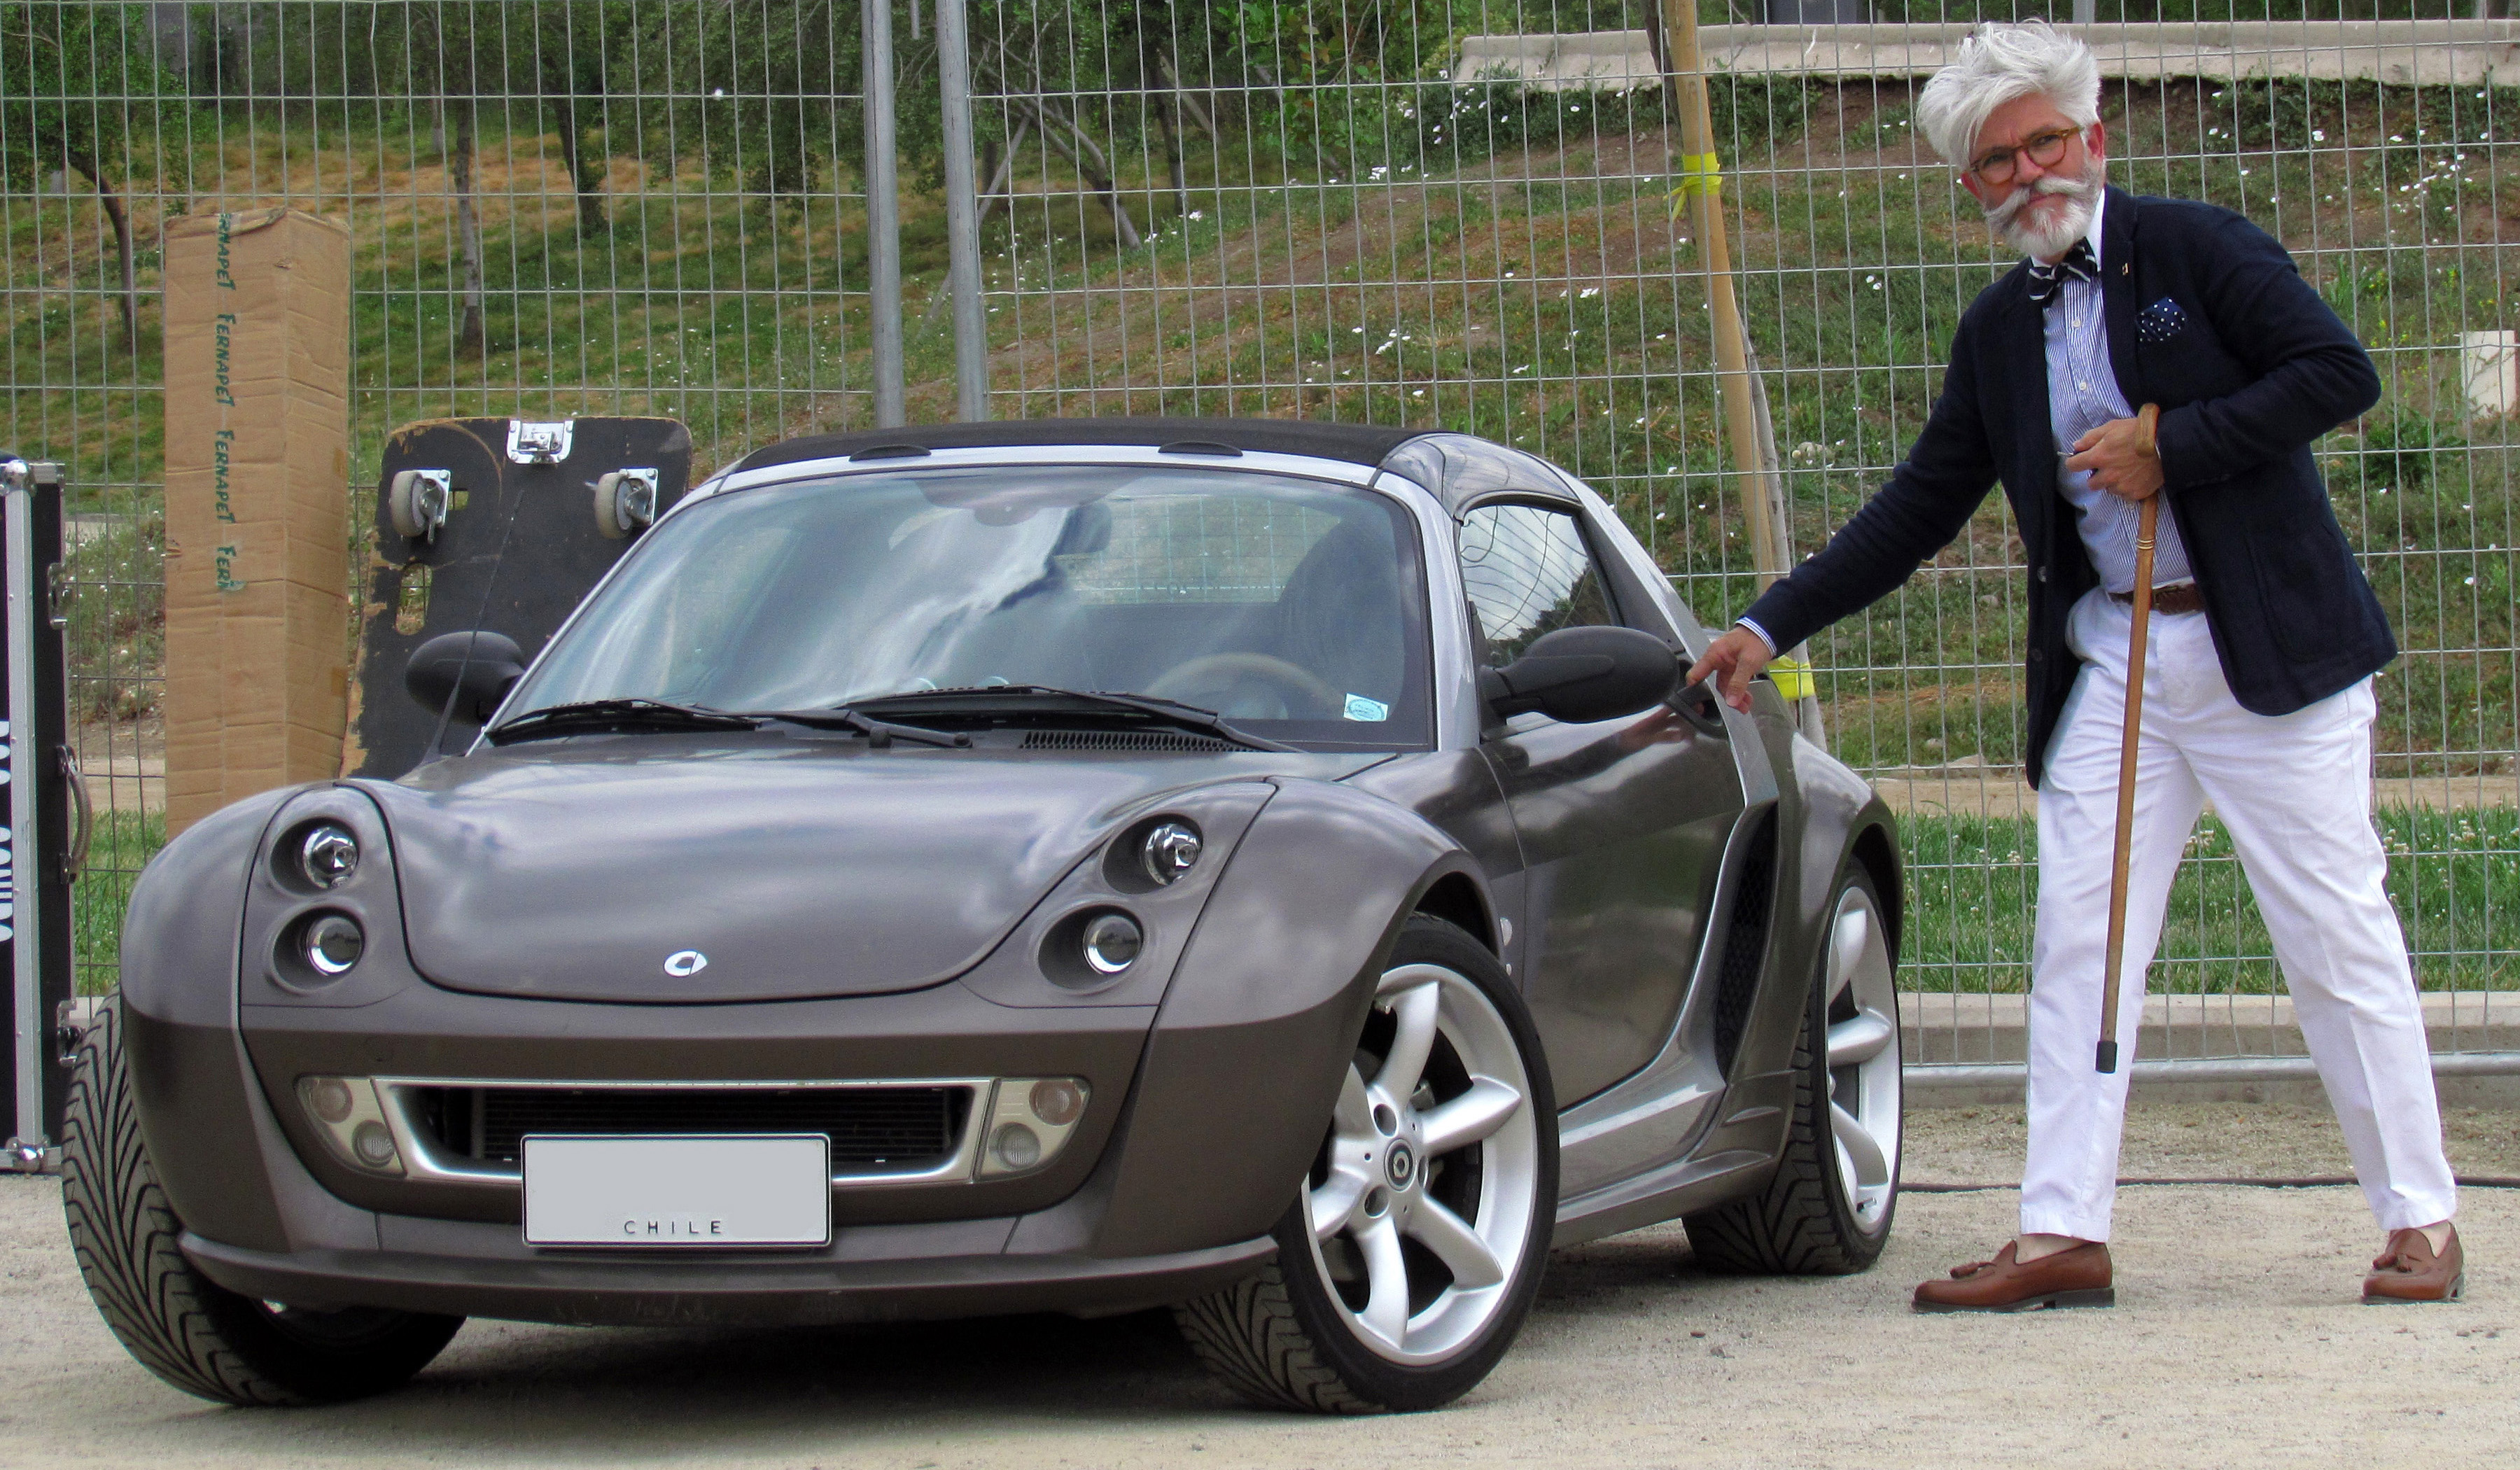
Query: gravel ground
x=2239, y=1342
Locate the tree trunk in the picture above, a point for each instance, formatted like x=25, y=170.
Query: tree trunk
x=1080, y=151
x=1001, y=171
x=122, y=220
x=470, y=337
x=591, y=221
x=1197, y=111
x=1173, y=163
x=1087, y=157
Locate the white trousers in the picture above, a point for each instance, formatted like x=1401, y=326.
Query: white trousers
x=2294, y=791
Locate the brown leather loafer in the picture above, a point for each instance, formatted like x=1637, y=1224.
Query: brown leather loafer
x=2075, y=1277
x=2409, y=1270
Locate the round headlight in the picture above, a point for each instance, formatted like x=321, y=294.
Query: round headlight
x=1055, y=1101
x=333, y=944
x=1111, y=943
x=332, y=1100
x=329, y=856
x=1169, y=851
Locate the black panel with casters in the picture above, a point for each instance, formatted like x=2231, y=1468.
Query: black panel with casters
x=495, y=524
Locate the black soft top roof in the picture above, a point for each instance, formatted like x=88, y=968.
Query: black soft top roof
x=1354, y=443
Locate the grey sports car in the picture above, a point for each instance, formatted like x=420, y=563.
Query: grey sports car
x=1272, y=870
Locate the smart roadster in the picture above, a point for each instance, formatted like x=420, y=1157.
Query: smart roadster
x=1270, y=870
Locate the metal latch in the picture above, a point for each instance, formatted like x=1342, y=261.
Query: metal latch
x=30, y=1156
x=532, y=443
x=71, y=1020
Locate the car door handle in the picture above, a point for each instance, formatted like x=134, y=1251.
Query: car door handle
x=1697, y=704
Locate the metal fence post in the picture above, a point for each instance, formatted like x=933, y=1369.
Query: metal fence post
x=961, y=216
x=883, y=215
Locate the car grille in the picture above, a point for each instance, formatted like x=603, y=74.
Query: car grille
x=904, y=1128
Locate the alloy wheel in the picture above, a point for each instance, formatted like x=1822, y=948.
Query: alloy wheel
x=1421, y=1200
x=1864, y=1079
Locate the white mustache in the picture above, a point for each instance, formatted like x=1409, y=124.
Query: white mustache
x=2079, y=191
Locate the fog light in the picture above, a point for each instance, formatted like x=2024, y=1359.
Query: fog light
x=1170, y=851
x=329, y=856
x=352, y=1121
x=1031, y=1120
x=374, y=1143
x=1016, y=1146
x=333, y=944
x=1111, y=943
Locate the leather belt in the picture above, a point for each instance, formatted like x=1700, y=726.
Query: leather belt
x=2178, y=596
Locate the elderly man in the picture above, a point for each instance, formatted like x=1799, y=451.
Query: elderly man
x=2154, y=347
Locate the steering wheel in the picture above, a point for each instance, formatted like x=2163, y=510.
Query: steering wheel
x=1200, y=672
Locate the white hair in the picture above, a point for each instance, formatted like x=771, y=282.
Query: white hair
x=1997, y=65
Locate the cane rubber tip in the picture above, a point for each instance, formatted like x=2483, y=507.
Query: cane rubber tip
x=2107, y=1061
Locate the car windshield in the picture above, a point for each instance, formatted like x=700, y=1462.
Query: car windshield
x=1292, y=608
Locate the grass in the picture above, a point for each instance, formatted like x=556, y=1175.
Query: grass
x=123, y=844
x=1973, y=888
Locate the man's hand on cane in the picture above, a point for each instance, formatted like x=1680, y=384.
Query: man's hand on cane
x=2122, y=457
x=1732, y=662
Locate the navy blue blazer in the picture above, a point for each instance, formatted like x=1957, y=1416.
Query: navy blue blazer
x=2249, y=366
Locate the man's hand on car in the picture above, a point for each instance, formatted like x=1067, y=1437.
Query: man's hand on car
x=1732, y=662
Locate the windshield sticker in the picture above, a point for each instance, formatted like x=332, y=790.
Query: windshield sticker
x=1371, y=711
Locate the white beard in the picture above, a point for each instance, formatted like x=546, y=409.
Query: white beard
x=2082, y=200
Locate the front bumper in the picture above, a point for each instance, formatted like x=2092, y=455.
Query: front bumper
x=1183, y=1161
x=871, y=1274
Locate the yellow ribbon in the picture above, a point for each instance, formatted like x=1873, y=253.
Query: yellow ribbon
x=1699, y=173
x=1793, y=678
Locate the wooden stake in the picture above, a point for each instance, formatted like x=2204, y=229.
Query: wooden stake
x=1684, y=89
x=2107, y=1059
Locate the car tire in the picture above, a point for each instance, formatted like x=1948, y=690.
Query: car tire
x=1828, y=1209
x=1313, y=1330
x=182, y=1326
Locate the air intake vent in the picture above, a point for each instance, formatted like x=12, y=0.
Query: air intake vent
x=892, y=1127
x=1118, y=739
x=1745, y=942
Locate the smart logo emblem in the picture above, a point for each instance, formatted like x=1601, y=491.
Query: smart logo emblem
x=685, y=962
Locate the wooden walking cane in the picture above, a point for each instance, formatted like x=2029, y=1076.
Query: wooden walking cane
x=2107, y=1060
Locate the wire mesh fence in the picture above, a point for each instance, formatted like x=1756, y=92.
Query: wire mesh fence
x=1438, y=213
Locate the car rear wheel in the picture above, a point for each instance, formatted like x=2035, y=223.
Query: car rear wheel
x=181, y=1325
x=1411, y=1252
x=1827, y=1211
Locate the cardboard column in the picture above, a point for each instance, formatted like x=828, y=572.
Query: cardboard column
x=258, y=505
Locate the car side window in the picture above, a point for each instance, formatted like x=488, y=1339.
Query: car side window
x=1528, y=572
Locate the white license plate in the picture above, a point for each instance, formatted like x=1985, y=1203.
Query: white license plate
x=670, y=1191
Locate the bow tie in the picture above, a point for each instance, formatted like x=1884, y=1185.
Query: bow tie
x=2046, y=280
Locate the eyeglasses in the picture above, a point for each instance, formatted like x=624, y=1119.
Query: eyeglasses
x=2046, y=150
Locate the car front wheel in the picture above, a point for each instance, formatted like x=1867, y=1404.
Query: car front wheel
x=182, y=1326
x=1412, y=1251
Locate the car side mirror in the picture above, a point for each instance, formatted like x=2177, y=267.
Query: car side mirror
x=475, y=670
x=1582, y=675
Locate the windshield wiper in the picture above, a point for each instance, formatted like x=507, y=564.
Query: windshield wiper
x=1041, y=698
x=878, y=733
x=615, y=717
